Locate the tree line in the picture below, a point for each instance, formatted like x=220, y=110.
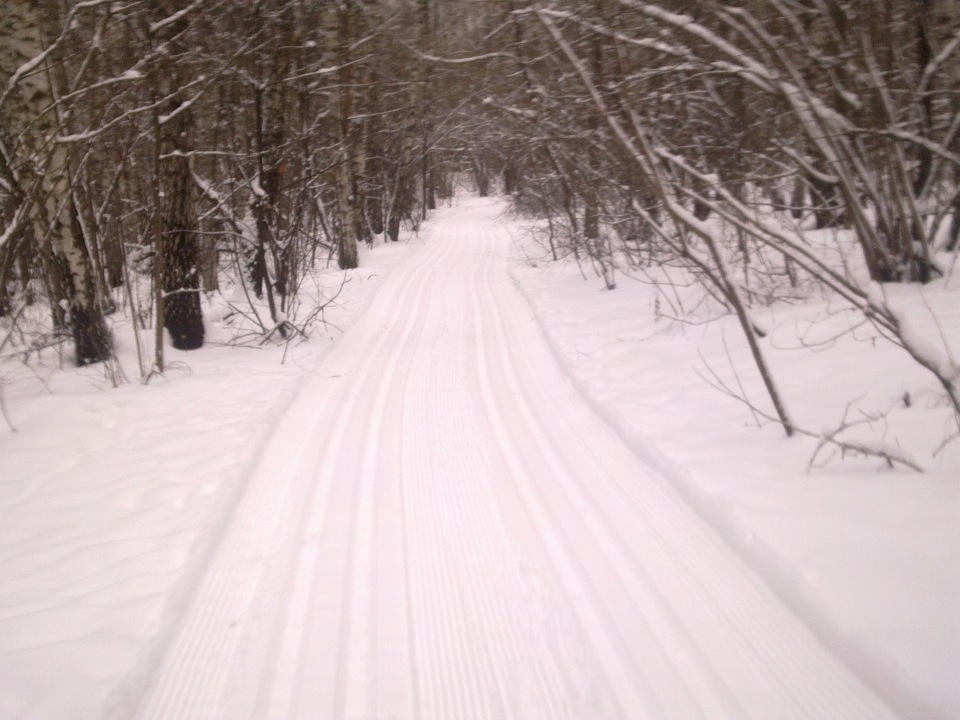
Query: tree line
x=757, y=147
x=177, y=140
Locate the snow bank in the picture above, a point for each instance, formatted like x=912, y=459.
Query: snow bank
x=111, y=501
x=868, y=556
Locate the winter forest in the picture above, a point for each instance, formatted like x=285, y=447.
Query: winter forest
x=151, y=149
x=235, y=228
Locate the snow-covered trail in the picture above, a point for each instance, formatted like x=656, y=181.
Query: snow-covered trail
x=441, y=528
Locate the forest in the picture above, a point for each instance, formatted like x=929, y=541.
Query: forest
x=151, y=152
x=479, y=359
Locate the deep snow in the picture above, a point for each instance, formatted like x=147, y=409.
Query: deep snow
x=131, y=574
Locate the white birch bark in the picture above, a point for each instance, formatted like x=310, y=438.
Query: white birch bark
x=339, y=35
x=42, y=169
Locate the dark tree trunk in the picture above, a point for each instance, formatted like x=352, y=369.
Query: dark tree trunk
x=511, y=178
x=797, y=198
x=113, y=260
x=257, y=258
x=374, y=213
x=90, y=335
x=591, y=217
x=29, y=110
x=91, y=338
x=393, y=225
x=182, y=314
x=480, y=175
x=827, y=209
x=430, y=194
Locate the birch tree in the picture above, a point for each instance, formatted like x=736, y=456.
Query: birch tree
x=342, y=23
x=39, y=168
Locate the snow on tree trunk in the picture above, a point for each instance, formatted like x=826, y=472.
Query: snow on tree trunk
x=181, y=278
x=42, y=172
x=180, y=256
x=340, y=33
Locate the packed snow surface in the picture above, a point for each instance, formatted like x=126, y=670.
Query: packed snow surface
x=449, y=513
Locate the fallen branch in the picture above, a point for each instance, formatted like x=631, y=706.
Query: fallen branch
x=830, y=438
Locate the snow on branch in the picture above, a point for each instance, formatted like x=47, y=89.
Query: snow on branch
x=156, y=27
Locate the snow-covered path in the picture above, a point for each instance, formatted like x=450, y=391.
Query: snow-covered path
x=441, y=528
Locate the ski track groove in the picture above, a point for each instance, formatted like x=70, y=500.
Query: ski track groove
x=478, y=605
x=327, y=669
x=547, y=684
x=595, y=628
x=305, y=574
x=200, y=657
x=440, y=528
x=790, y=666
x=451, y=606
x=512, y=629
x=545, y=673
x=365, y=595
x=602, y=536
x=621, y=550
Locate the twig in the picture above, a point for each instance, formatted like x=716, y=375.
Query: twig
x=829, y=438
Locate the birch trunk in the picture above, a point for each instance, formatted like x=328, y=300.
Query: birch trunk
x=42, y=172
x=340, y=34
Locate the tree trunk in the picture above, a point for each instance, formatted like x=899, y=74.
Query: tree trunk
x=182, y=314
x=340, y=35
x=393, y=227
x=179, y=259
x=374, y=212
x=31, y=117
x=347, y=246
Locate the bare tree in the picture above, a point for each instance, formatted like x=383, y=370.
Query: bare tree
x=40, y=167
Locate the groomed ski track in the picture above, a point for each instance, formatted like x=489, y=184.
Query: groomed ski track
x=440, y=528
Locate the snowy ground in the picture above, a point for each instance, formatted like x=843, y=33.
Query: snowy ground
x=868, y=557
x=446, y=513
